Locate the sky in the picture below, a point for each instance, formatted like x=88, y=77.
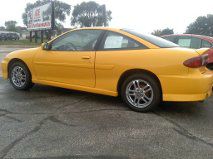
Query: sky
x=141, y=15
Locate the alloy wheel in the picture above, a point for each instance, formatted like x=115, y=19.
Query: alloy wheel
x=139, y=93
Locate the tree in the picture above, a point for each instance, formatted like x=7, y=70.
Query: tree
x=10, y=25
x=166, y=31
x=61, y=9
x=203, y=25
x=89, y=14
x=2, y=28
x=157, y=32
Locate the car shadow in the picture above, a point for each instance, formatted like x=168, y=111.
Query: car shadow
x=91, y=98
x=181, y=107
x=173, y=108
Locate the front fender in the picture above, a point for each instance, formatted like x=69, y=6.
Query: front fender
x=26, y=56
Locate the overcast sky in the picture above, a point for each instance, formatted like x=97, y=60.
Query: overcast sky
x=141, y=15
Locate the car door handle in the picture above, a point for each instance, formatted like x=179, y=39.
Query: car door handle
x=86, y=57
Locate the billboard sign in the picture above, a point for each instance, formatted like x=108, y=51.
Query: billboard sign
x=40, y=18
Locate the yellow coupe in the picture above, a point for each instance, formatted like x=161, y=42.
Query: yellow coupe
x=143, y=69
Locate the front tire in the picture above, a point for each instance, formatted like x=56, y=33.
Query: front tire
x=141, y=92
x=20, y=76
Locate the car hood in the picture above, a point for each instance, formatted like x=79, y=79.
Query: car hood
x=23, y=51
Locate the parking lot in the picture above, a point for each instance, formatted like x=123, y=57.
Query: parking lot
x=54, y=123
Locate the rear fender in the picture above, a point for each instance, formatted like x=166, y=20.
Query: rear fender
x=208, y=51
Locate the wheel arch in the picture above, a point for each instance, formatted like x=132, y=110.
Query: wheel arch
x=128, y=73
x=16, y=60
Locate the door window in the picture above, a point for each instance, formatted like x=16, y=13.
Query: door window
x=195, y=43
x=189, y=42
x=184, y=41
x=81, y=40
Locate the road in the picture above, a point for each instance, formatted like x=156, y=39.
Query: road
x=54, y=123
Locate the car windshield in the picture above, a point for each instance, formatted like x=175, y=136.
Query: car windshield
x=153, y=39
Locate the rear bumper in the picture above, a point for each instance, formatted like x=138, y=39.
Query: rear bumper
x=192, y=87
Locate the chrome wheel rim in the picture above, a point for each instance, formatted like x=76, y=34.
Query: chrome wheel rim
x=18, y=76
x=139, y=93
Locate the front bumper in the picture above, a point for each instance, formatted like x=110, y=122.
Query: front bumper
x=193, y=87
x=4, y=69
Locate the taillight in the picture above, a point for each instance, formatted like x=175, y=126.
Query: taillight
x=197, y=62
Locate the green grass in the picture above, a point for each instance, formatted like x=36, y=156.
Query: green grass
x=24, y=42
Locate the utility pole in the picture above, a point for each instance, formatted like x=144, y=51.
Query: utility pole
x=104, y=14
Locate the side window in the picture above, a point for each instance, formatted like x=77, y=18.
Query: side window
x=118, y=41
x=206, y=44
x=184, y=41
x=195, y=43
x=82, y=40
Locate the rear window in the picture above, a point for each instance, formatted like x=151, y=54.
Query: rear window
x=206, y=44
x=170, y=38
x=153, y=39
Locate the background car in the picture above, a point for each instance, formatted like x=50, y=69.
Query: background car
x=3, y=37
x=12, y=36
x=190, y=40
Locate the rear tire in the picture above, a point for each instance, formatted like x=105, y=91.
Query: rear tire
x=141, y=92
x=20, y=76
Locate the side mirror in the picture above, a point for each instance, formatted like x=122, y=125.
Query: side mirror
x=46, y=46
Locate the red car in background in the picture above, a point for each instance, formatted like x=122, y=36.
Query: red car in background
x=193, y=41
x=190, y=40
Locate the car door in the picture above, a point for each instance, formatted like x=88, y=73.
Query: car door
x=70, y=59
x=114, y=50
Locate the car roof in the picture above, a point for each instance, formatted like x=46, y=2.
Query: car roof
x=94, y=28
x=203, y=37
x=98, y=28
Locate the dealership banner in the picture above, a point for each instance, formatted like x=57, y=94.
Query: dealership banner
x=40, y=18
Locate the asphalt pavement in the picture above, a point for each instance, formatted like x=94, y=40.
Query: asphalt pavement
x=54, y=123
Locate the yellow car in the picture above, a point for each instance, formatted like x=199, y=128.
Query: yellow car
x=143, y=69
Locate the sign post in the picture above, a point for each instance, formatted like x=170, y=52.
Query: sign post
x=40, y=19
x=30, y=36
x=36, y=36
x=42, y=36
